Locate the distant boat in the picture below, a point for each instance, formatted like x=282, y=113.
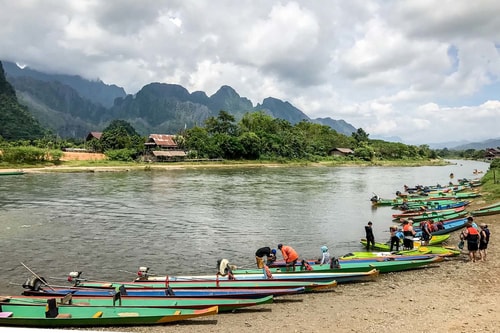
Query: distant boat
x=11, y=173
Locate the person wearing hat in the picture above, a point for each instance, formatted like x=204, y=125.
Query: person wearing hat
x=370, y=238
x=265, y=251
x=325, y=256
x=289, y=255
x=484, y=239
x=409, y=233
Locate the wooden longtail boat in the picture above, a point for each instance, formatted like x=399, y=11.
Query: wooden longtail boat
x=448, y=226
x=79, y=316
x=485, y=211
x=435, y=240
x=428, y=213
x=355, y=266
x=259, y=277
x=223, y=304
x=167, y=292
x=11, y=173
x=200, y=283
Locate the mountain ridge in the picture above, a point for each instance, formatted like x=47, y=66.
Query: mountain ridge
x=155, y=108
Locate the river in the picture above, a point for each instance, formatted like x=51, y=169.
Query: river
x=107, y=224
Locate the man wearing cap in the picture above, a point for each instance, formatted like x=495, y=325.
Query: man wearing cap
x=265, y=251
x=289, y=255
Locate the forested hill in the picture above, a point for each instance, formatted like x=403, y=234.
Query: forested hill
x=16, y=123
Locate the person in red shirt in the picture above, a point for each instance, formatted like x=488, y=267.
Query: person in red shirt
x=289, y=255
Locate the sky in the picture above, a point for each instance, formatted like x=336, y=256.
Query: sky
x=424, y=71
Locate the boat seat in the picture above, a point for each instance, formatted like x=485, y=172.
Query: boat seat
x=67, y=299
x=63, y=316
x=98, y=314
x=128, y=314
x=5, y=314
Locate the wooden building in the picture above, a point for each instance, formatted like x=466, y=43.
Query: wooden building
x=341, y=152
x=163, y=148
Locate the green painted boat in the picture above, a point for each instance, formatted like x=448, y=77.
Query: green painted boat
x=435, y=240
x=383, y=254
x=421, y=250
x=223, y=304
x=261, y=283
x=391, y=265
x=79, y=316
x=365, y=266
x=486, y=211
x=442, y=251
x=436, y=216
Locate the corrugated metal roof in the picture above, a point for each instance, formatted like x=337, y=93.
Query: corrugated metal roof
x=345, y=150
x=96, y=135
x=164, y=140
x=169, y=153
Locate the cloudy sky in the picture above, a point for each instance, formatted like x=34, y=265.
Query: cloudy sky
x=424, y=71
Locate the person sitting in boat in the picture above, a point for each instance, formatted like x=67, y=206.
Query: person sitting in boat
x=409, y=233
x=325, y=256
x=225, y=268
x=266, y=251
x=289, y=255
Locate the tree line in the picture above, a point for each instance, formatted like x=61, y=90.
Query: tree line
x=257, y=136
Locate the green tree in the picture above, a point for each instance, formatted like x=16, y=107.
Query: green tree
x=224, y=123
x=121, y=135
x=360, y=136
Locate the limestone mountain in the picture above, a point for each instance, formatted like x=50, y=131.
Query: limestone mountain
x=16, y=123
x=72, y=106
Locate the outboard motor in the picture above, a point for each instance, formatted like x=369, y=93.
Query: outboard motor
x=143, y=273
x=334, y=263
x=34, y=283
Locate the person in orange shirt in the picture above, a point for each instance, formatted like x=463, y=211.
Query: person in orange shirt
x=289, y=255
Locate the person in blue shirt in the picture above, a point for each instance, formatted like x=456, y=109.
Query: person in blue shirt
x=394, y=238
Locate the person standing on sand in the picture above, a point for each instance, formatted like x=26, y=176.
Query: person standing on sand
x=426, y=232
x=370, y=238
x=409, y=233
x=289, y=255
x=484, y=239
x=394, y=238
x=472, y=236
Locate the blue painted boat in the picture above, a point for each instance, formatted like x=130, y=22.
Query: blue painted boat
x=448, y=226
x=158, y=292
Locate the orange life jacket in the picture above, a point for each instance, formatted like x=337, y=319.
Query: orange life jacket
x=472, y=231
x=289, y=254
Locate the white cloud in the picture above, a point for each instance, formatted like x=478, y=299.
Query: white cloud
x=405, y=69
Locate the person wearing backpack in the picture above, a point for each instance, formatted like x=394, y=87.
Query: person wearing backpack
x=484, y=239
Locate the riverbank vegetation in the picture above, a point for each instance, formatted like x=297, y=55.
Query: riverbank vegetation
x=256, y=138
x=490, y=182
